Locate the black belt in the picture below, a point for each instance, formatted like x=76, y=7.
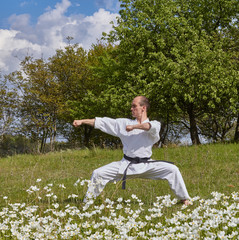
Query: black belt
x=137, y=160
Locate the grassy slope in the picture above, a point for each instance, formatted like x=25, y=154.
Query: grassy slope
x=205, y=168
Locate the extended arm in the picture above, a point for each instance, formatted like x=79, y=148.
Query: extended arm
x=78, y=123
x=143, y=126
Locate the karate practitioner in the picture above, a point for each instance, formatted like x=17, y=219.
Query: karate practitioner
x=137, y=136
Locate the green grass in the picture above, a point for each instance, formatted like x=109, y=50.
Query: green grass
x=205, y=168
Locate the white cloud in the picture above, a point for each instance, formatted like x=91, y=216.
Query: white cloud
x=28, y=2
x=88, y=29
x=12, y=50
x=49, y=33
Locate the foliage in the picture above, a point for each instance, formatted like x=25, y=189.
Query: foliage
x=182, y=55
x=80, y=89
x=178, y=54
x=218, y=126
x=8, y=103
x=39, y=102
x=12, y=145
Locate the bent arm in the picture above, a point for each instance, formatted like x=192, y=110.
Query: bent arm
x=153, y=128
x=90, y=122
x=143, y=126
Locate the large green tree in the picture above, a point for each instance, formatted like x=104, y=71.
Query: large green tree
x=71, y=69
x=80, y=88
x=176, y=53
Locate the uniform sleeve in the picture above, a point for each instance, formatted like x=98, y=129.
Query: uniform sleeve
x=107, y=125
x=154, y=130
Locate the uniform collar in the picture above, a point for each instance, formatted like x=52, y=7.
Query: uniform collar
x=147, y=120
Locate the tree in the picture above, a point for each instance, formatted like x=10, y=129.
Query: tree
x=217, y=126
x=8, y=103
x=81, y=85
x=236, y=136
x=176, y=53
x=72, y=74
x=233, y=33
x=39, y=103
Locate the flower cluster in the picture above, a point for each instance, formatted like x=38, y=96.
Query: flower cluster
x=214, y=218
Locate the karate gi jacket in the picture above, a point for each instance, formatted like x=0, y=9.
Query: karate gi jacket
x=136, y=143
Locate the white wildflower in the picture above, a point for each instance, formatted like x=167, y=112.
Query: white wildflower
x=56, y=205
x=62, y=186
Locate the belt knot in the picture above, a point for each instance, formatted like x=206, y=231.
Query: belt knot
x=136, y=160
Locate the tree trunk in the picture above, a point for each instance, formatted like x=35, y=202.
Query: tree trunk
x=53, y=138
x=193, y=126
x=87, y=133
x=36, y=140
x=164, y=131
x=236, y=137
x=43, y=140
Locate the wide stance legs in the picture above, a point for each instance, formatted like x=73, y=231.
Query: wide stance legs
x=155, y=170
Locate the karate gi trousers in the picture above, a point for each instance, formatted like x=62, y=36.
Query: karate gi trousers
x=155, y=170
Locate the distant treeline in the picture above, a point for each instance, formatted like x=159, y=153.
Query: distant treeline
x=182, y=55
x=12, y=145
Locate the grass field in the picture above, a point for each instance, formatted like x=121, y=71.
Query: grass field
x=206, y=169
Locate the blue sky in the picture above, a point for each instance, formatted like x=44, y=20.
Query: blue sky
x=39, y=27
x=36, y=7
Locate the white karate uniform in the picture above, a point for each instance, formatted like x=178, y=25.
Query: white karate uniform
x=136, y=143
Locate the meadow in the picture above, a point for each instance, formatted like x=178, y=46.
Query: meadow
x=41, y=197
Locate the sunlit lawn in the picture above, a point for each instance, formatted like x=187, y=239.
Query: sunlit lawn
x=52, y=186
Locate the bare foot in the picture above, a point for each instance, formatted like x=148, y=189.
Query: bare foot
x=185, y=202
